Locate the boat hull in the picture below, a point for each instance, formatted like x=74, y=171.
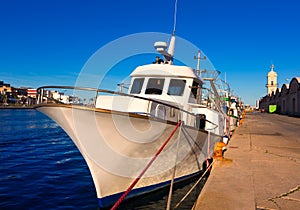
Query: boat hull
x=234, y=123
x=117, y=146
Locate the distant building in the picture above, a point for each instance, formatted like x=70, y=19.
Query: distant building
x=16, y=96
x=5, y=93
x=21, y=92
x=61, y=97
x=257, y=104
x=4, y=88
x=271, y=81
x=19, y=95
x=286, y=98
x=31, y=93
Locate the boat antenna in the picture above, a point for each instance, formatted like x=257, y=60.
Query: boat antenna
x=171, y=48
x=175, y=17
x=162, y=46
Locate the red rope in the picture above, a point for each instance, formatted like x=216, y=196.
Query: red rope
x=115, y=206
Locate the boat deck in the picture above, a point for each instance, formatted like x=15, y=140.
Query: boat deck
x=260, y=169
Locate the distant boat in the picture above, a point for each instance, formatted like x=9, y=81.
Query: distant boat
x=234, y=114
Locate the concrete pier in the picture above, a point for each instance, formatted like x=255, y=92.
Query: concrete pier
x=260, y=170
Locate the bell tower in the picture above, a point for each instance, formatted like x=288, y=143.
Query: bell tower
x=271, y=81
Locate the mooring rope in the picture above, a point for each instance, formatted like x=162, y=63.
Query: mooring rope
x=192, y=188
x=208, y=148
x=115, y=206
x=174, y=171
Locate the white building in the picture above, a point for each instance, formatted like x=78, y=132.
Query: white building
x=61, y=97
x=286, y=98
x=271, y=81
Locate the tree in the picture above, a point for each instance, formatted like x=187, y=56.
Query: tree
x=4, y=99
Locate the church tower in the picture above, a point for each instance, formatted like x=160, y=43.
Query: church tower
x=272, y=81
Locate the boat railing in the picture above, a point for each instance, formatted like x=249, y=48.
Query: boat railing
x=85, y=96
x=123, y=87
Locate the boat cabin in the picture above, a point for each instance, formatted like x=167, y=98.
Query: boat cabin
x=175, y=84
x=159, y=88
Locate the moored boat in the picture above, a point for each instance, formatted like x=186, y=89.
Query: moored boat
x=121, y=133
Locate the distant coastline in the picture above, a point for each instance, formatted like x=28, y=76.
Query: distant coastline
x=16, y=107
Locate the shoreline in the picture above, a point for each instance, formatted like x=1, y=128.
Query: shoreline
x=16, y=107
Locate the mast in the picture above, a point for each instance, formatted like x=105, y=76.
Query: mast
x=198, y=58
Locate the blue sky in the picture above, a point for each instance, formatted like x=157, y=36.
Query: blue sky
x=48, y=42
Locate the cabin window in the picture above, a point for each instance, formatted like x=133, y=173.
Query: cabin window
x=196, y=93
x=155, y=86
x=176, y=87
x=194, y=90
x=137, y=86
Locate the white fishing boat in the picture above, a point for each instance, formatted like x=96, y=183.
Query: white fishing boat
x=159, y=131
x=123, y=132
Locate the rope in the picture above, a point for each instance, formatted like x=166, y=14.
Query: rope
x=208, y=148
x=192, y=188
x=173, y=174
x=227, y=125
x=115, y=206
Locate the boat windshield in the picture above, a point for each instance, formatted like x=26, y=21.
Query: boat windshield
x=176, y=87
x=155, y=86
x=137, y=86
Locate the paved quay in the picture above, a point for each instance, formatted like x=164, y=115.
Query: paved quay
x=260, y=169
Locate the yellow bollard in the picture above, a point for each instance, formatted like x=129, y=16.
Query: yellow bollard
x=219, y=148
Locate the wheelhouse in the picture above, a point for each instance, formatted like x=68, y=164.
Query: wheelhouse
x=177, y=84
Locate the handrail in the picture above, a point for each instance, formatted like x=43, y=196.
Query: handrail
x=68, y=87
x=111, y=92
x=39, y=92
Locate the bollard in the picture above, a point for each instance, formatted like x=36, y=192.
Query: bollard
x=219, y=149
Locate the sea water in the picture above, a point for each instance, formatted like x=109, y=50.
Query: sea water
x=41, y=168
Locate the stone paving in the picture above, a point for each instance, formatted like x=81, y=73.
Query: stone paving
x=261, y=168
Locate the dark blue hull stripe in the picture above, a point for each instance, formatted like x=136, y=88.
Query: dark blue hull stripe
x=110, y=200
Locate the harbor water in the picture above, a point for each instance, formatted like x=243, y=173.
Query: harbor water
x=42, y=169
